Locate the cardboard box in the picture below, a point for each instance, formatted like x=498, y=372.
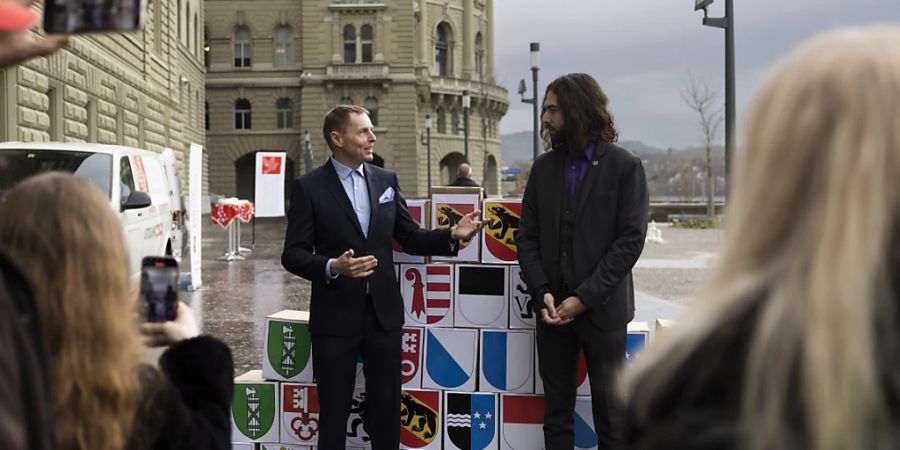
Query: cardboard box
x=421, y=413
x=637, y=341
x=450, y=357
x=254, y=409
x=521, y=314
x=585, y=432
x=287, y=353
x=356, y=435
x=448, y=205
x=299, y=414
x=481, y=296
x=412, y=349
x=522, y=421
x=427, y=291
x=501, y=223
x=506, y=361
x=420, y=211
x=470, y=421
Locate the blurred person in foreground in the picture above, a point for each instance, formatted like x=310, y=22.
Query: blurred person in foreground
x=26, y=419
x=584, y=220
x=61, y=232
x=795, y=340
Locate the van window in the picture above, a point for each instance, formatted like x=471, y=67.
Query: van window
x=16, y=165
x=126, y=178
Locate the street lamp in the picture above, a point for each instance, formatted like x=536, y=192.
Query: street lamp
x=726, y=23
x=308, y=157
x=467, y=103
x=535, y=53
x=428, y=144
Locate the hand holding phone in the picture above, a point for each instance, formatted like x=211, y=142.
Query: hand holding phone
x=168, y=333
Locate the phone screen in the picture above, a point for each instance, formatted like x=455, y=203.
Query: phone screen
x=159, y=288
x=91, y=16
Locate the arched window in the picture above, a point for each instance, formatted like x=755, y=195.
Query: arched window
x=284, y=47
x=242, y=114
x=479, y=56
x=242, y=47
x=367, y=42
x=346, y=101
x=371, y=103
x=442, y=50
x=349, y=44
x=206, y=116
x=180, y=24
x=284, y=110
x=187, y=26
x=195, y=34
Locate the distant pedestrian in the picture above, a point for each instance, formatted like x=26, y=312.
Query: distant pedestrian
x=464, y=177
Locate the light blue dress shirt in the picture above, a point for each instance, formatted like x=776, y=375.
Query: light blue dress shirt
x=354, y=183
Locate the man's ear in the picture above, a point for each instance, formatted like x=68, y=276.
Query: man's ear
x=336, y=139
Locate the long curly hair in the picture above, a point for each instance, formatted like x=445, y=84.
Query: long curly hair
x=63, y=234
x=585, y=108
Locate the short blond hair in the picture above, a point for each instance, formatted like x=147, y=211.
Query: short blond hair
x=338, y=118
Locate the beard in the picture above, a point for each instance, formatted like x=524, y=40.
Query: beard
x=559, y=138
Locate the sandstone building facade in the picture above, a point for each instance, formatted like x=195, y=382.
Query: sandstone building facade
x=274, y=67
x=143, y=89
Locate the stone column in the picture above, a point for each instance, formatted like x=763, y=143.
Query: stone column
x=489, y=40
x=468, y=39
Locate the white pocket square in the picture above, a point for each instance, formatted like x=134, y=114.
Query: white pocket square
x=387, y=196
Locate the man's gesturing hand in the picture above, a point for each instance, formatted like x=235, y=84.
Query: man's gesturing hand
x=348, y=266
x=467, y=226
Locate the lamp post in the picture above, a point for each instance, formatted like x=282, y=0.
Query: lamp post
x=535, y=49
x=428, y=144
x=726, y=23
x=467, y=103
x=308, y=158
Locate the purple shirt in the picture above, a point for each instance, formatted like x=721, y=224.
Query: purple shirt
x=576, y=167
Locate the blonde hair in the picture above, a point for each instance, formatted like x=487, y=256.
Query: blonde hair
x=810, y=245
x=61, y=232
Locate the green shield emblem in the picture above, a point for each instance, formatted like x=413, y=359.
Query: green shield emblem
x=288, y=347
x=253, y=409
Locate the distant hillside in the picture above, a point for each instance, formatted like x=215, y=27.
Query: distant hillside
x=517, y=147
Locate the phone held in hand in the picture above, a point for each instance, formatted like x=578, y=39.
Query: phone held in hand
x=159, y=288
x=93, y=16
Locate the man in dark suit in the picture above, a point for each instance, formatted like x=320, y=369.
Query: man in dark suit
x=342, y=218
x=464, y=176
x=584, y=219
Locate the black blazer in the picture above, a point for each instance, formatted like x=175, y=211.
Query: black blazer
x=323, y=225
x=610, y=227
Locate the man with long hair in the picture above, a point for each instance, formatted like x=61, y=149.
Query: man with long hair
x=343, y=216
x=584, y=219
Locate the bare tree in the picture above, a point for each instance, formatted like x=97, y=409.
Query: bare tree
x=706, y=101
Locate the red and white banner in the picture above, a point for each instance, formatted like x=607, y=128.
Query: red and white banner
x=270, y=172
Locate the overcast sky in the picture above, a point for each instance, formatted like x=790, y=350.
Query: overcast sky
x=641, y=51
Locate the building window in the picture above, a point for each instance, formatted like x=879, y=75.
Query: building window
x=371, y=103
x=206, y=47
x=367, y=37
x=284, y=110
x=442, y=50
x=346, y=101
x=479, y=56
x=195, y=34
x=242, y=114
x=455, y=124
x=206, y=116
x=284, y=48
x=242, y=47
x=441, y=121
x=349, y=44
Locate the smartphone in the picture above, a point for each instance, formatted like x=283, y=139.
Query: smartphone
x=159, y=288
x=93, y=16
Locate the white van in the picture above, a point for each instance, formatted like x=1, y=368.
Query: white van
x=141, y=189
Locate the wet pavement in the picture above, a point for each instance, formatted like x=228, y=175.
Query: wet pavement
x=237, y=296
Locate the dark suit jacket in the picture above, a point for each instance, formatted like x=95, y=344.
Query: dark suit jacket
x=610, y=227
x=322, y=225
x=465, y=182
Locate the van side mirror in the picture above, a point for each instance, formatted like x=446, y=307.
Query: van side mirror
x=135, y=200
